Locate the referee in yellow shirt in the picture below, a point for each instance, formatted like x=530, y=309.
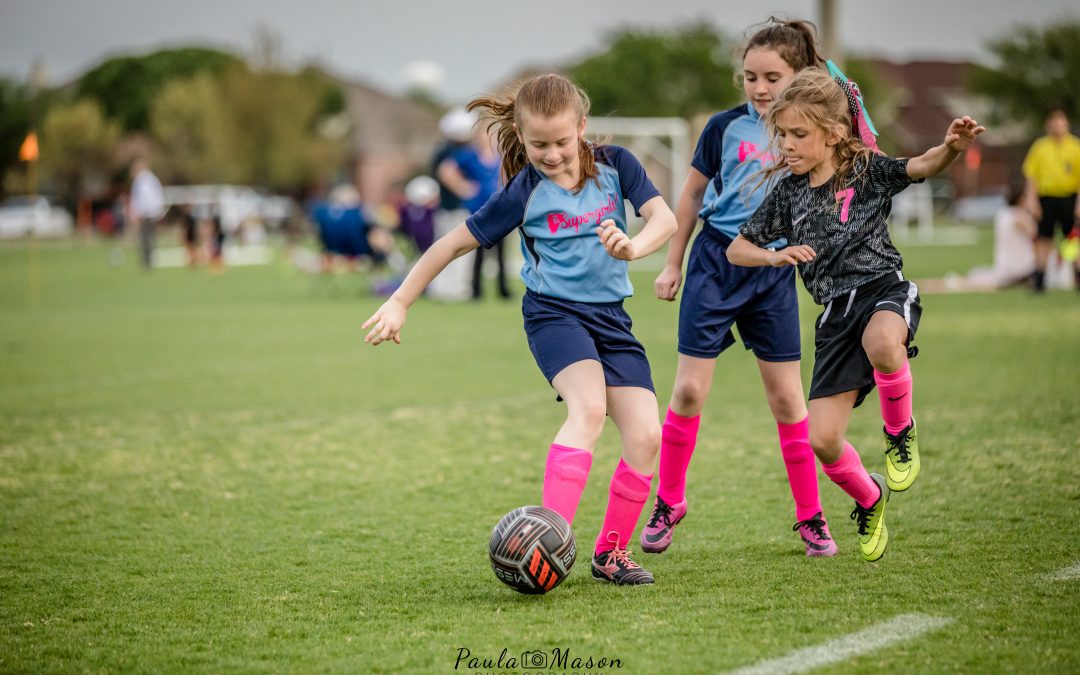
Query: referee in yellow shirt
x=1052, y=170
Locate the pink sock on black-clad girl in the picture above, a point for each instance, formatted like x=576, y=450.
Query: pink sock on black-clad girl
x=894, y=391
x=801, y=468
x=626, y=498
x=676, y=447
x=565, y=476
x=848, y=473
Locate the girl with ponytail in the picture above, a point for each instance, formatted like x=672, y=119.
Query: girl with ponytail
x=566, y=196
x=718, y=296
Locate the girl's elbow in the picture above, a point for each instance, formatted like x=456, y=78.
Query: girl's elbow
x=672, y=226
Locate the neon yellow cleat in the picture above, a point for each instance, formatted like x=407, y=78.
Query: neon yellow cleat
x=873, y=535
x=902, y=458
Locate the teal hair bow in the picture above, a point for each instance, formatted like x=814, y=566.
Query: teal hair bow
x=853, y=90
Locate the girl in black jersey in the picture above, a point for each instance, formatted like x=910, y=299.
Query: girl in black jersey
x=832, y=209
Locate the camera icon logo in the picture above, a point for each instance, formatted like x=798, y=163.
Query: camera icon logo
x=536, y=659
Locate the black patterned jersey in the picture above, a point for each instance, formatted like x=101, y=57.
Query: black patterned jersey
x=846, y=228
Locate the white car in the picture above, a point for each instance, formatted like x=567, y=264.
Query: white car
x=33, y=216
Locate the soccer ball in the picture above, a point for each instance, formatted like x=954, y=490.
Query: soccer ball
x=532, y=549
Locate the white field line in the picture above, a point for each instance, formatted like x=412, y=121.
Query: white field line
x=1067, y=574
x=897, y=629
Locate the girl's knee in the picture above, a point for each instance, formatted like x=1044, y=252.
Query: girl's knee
x=590, y=414
x=642, y=445
x=689, y=396
x=788, y=407
x=826, y=443
x=885, y=352
x=649, y=438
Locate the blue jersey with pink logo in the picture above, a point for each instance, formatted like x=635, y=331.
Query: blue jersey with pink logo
x=733, y=147
x=564, y=257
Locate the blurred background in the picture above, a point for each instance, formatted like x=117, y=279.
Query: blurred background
x=304, y=123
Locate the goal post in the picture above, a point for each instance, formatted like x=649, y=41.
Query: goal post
x=661, y=144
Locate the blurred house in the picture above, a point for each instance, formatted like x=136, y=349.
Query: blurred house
x=925, y=96
x=393, y=138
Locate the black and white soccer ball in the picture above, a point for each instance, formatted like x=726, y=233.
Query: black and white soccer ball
x=532, y=549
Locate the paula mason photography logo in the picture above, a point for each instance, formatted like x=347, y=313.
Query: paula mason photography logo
x=557, y=661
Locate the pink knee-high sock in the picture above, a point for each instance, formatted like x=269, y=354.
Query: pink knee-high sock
x=626, y=498
x=849, y=474
x=676, y=447
x=801, y=467
x=894, y=391
x=564, y=479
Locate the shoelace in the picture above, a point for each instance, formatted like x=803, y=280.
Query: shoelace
x=622, y=556
x=861, y=516
x=816, y=524
x=899, y=445
x=662, y=510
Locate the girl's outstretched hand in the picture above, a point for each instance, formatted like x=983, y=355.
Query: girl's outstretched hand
x=792, y=255
x=616, y=241
x=386, y=323
x=962, y=133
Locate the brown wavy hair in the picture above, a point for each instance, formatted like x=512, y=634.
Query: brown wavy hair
x=816, y=96
x=794, y=40
x=545, y=95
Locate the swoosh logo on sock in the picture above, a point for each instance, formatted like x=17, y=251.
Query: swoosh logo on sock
x=897, y=398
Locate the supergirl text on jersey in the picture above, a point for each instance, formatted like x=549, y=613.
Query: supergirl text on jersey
x=732, y=148
x=564, y=257
x=846, y=227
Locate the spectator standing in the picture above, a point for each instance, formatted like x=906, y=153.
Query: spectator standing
x=147, y=208
x=1052, y=170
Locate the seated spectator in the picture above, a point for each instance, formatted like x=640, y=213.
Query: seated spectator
x=1014, y=248
x=417, y=213
x=343, y=228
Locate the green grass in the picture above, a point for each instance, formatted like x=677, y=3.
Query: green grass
x=212, y=474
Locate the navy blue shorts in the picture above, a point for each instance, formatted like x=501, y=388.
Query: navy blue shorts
x=761, y=301
x=562, y=332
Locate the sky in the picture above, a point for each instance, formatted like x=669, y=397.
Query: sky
x=473, y=45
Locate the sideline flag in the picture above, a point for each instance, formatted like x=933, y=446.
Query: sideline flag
x=28, y=151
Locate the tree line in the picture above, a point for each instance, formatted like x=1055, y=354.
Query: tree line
x=209, y=116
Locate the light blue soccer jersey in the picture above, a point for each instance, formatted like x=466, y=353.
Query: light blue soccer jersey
x=733, y=147
x=564, y=257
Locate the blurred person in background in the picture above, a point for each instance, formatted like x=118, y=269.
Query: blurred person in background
x=472, y=173
x=217, y=243
x=416, y=213
x=189, y=226
x=1014, y=250
x=341, y=226
x=457, y=127
x=147, y=207
x=1052, y=170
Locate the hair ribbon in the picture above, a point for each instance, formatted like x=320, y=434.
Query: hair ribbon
x=859, y=117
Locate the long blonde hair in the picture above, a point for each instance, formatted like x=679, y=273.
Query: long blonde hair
x=545, y=95
x=813, y=94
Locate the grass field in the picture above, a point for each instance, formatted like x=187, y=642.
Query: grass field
x=213, y=474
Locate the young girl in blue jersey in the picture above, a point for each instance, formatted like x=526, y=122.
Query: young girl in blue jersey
x=831, y=209
x=565, y=196
x=762, y=303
